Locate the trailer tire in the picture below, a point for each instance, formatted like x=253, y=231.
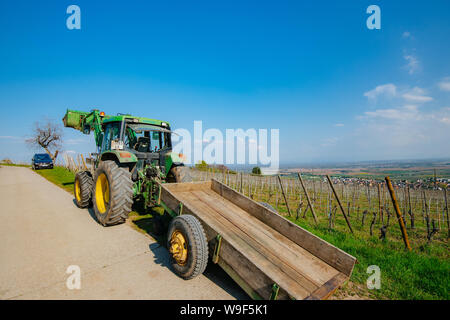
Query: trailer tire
x=179, y=174
x=186, y=233
x=112, y=194
x=82, y=189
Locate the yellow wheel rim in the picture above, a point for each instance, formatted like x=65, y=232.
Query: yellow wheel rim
x=102, y=193
x=178, y=247
x=77, y=190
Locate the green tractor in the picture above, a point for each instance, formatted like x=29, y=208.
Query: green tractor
x=133, y=155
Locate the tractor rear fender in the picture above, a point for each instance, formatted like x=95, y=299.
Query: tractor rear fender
x=123, y=157
x=174, y=159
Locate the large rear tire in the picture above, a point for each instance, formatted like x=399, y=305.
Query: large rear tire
x=188, y=246
x=179, y=174
x=113, y=193
x=83, y=189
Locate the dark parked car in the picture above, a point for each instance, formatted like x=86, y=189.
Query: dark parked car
x=41, y=160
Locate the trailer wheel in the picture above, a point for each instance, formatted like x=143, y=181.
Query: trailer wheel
x=188, y=246
x=83, y=189
x=113, y=193
x=179, y=174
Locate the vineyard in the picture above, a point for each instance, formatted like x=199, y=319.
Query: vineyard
x=368, y=207
x=375, y=237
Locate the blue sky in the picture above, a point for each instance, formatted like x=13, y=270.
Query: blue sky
x=336, y=90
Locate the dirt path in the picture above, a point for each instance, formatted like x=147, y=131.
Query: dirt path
x=42, y=233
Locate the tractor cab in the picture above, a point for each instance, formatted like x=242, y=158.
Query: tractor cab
x=147, y=142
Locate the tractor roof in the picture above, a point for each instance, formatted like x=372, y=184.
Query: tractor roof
x=108, y=119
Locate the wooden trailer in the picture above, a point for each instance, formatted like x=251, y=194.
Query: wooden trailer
x=266, y=254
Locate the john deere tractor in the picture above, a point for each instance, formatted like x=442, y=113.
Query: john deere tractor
x=133, y=155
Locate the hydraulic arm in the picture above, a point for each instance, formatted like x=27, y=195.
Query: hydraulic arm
x=86, y=122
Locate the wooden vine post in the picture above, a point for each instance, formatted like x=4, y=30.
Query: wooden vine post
x=397, y=211
x=339, y=203
x=284, y=196
x=446, y=210
x=307, y=197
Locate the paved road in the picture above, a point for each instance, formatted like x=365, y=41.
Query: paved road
x=42, y=232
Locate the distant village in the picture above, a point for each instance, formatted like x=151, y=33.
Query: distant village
x=430, y=183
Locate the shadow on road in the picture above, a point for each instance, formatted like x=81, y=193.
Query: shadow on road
x=213, y=272
x=90, y=210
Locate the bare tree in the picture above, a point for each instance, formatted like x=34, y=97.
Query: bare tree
x=48, y=135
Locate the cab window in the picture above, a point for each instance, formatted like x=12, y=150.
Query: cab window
x=112, y=132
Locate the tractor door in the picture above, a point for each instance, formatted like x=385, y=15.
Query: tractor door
x=112, y=132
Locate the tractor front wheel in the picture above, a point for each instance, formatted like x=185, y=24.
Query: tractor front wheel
x=83, y=188
x=188, y=246
x=113, y=193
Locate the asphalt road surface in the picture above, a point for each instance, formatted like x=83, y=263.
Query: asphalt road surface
x=42, y=233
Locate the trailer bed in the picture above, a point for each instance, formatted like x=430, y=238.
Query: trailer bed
x=257, y=249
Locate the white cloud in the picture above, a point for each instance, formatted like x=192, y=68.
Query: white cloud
x=406, y=34
x=389, y=90
x=329, y=142
x=416, y=95
x=413, y=63
x=339, y=125
x=404, y=132
x=444, y=85
x=407, y=112
x=445, y=120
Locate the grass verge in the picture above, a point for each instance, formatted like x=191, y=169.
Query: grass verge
x=60, y=176
x=15, y=165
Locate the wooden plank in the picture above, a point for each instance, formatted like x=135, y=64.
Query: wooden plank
x=332, y=255
x=297, y=258
x=328, y=288
x=180, y=187
x=263, y=247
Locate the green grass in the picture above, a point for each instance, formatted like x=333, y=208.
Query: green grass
x=423, y=273
x=15, y=165
x=60, y=176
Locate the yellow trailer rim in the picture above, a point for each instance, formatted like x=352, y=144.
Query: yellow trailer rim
x=102, y=193
x=178, y=247
x=77, y=190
